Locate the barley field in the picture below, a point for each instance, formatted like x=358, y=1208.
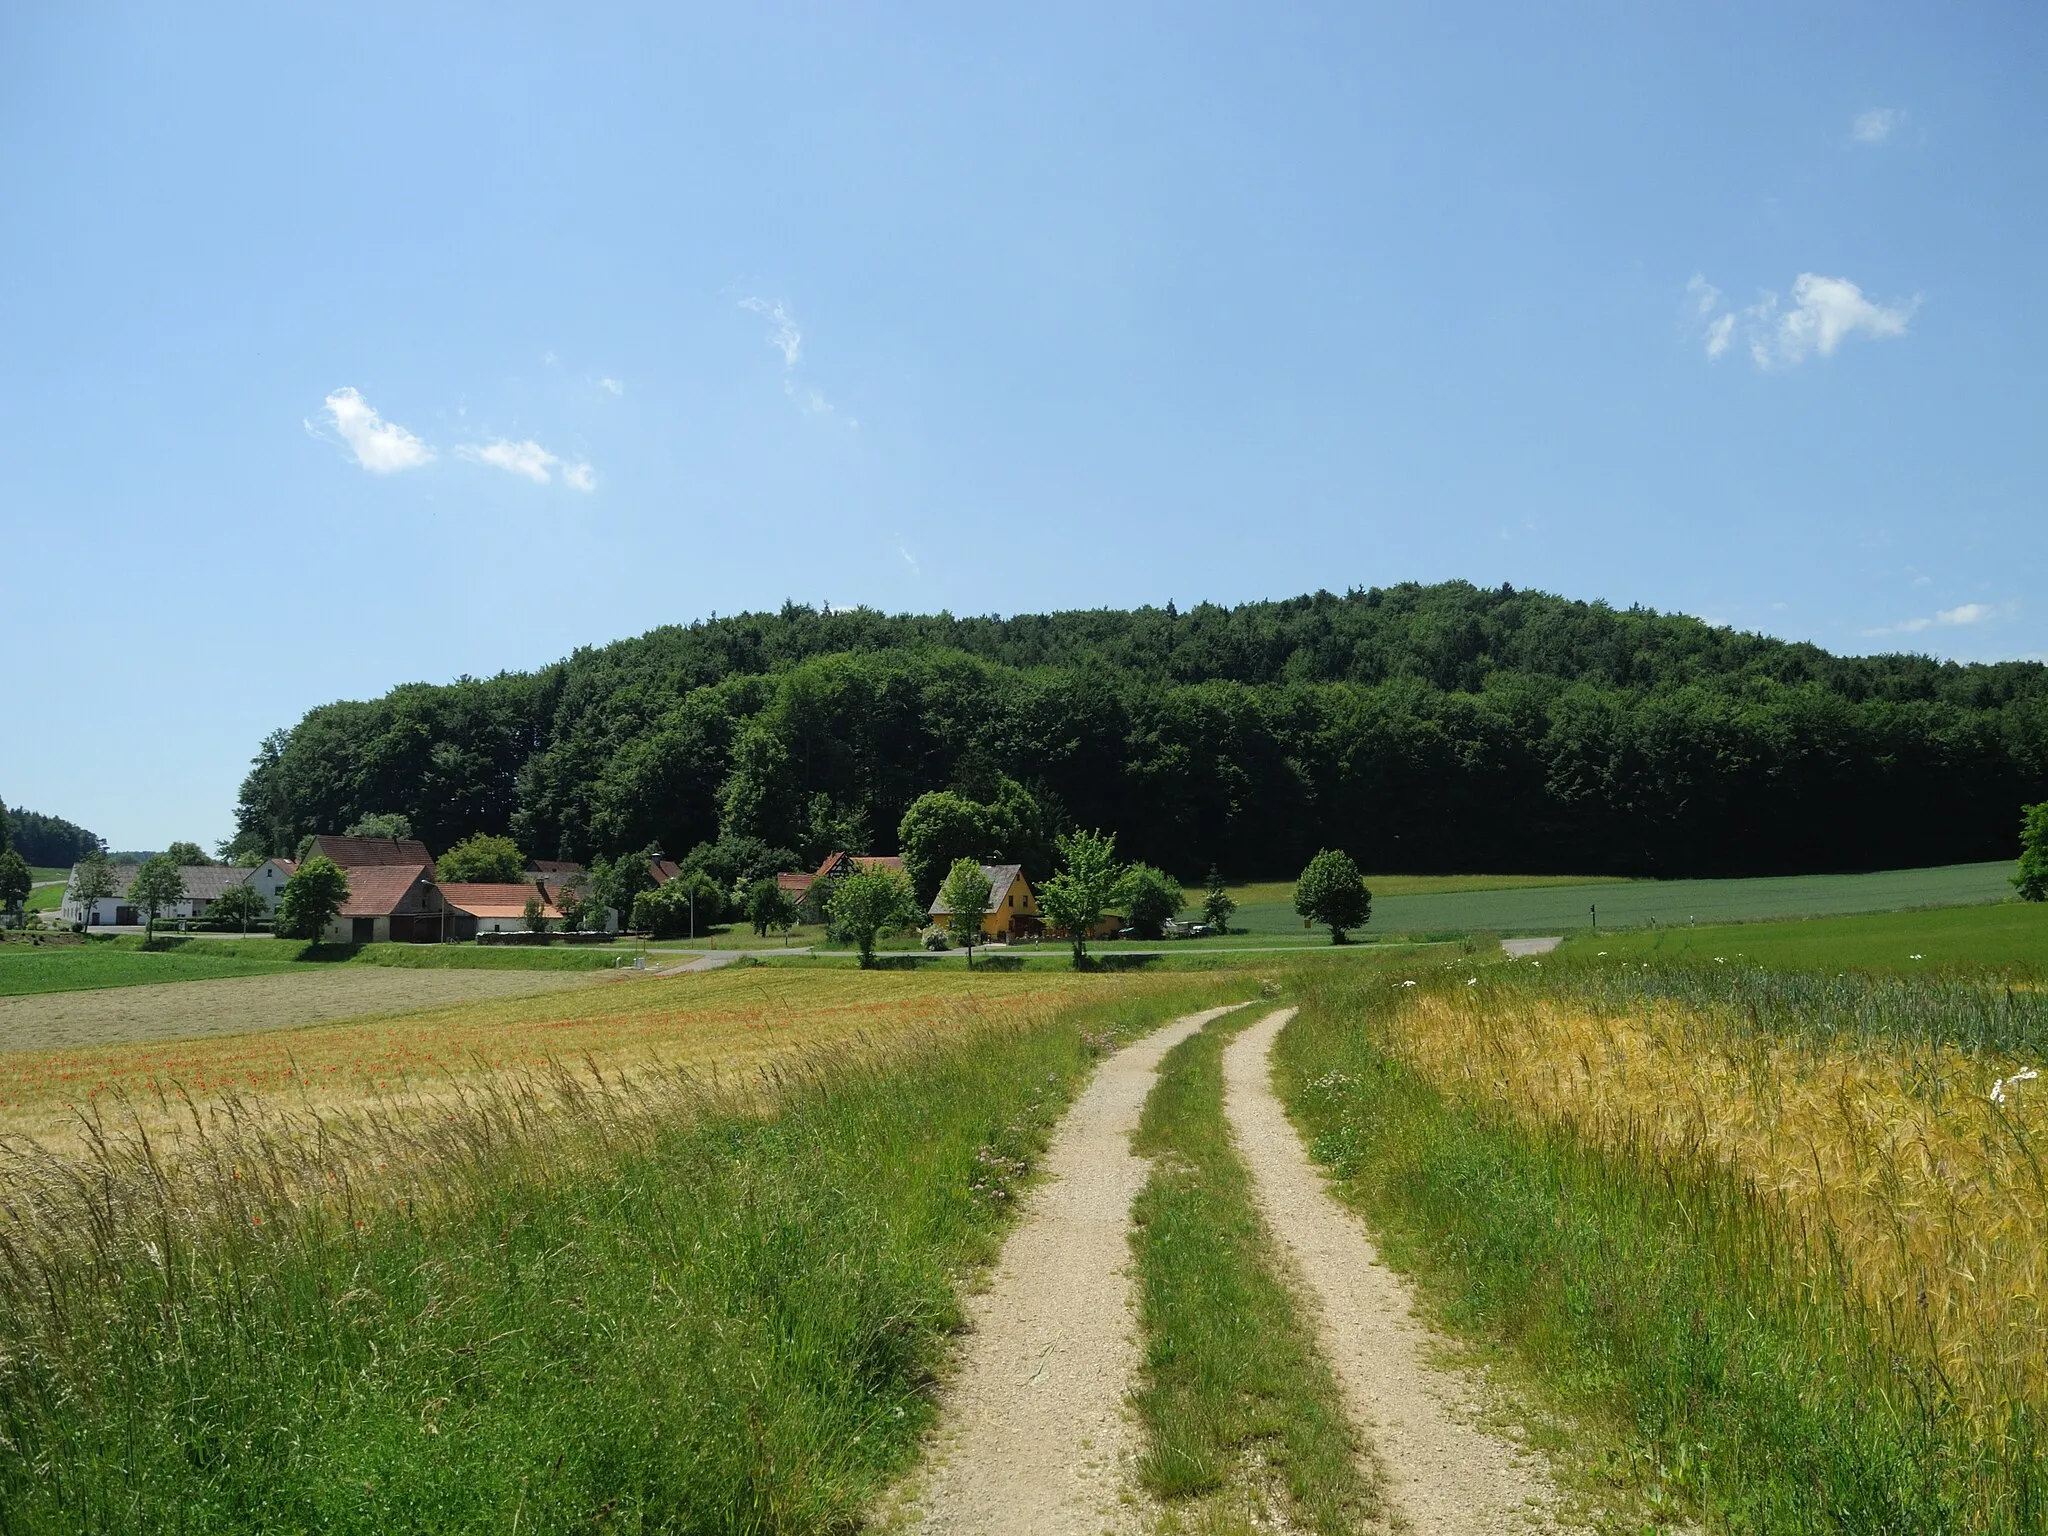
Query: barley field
x=1779, y=1232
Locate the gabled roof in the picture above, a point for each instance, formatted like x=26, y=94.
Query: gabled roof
x=794, y=885
x=286, y=867
x=556, y=867
x=1000, y=878
x=206, y=882
x=556, y=888
x=838, y=864
x=366, y=852
x=480, y=898
x=378, y=890
x=663, y=870
x=124, y=876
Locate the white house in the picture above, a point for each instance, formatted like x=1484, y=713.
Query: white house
x=115, y=911
x=269, y=879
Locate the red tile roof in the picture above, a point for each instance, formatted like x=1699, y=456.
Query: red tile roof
x=663, y=870
x=382, y=889
x=794, y=885
x=363, y=852
x=480, y=898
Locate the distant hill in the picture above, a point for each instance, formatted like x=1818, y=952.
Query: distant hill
x=48, y=842
x=1422, y=727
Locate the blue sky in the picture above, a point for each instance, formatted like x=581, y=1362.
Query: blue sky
x=348, y=346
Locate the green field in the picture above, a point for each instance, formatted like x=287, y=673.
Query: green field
x=1665, y=903
x=121, y=961
x=2012, y=936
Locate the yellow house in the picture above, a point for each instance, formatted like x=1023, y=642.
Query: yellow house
x=1012, y=908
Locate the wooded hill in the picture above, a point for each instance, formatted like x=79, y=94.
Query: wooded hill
x=1422, y=728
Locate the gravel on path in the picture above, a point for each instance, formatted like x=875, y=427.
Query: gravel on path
x=1035, y=1438
x=1445, y=1474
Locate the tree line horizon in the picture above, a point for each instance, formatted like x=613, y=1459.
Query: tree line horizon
x=1425, y=729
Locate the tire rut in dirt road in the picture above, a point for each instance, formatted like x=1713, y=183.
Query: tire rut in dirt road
x=1034, y=1438
x=1445, y=1475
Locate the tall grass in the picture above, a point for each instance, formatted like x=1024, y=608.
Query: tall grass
x=1241, y=1412
x=1798, y=1273
x=552, y=1301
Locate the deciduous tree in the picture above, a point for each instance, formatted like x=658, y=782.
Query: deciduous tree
x=183, y=853
x=381, y=824
x=2031, y=879
x=159, y=883
x=1332, y=891
x=312, y=897
x=1150, y=898
x=15, y=883
x=769, y=906
x=1075, y=899
x=484, y=859
x=966, y=895
x=938, y=830
x=868, y=903
x=92, y=880
x=237, y=904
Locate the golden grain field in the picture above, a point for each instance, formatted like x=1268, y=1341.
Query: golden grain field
x=716, y=1022
x=1928, y=1188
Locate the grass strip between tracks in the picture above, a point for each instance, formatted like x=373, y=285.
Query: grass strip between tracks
x=1239, y=1408
x=565, y=1303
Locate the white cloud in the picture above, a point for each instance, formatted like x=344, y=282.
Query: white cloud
x=382, y=447
x=1951, y=618
x=530, y=460
x=783, y=334
x=910, y=560
x=1877, y=125
x=1825, y=311
x=613, y=385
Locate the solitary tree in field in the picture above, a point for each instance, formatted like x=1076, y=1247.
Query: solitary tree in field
x=311, y=899
x=158, y=884
x=238, y=904
x=15, y=881
x=1218, y=905
x=484, y=859
x=2031, y=881
x=868, y=903
x=92, y=881
x=966, y=896
x=1332, y=891
x=1075, y=899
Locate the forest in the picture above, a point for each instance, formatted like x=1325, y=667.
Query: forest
x=45, y=841
x=1435, y=728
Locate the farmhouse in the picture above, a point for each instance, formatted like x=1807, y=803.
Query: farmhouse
x=1013, y=909
x=269, y=879
x=390, y=903
x=476, y=907
x=108, y=911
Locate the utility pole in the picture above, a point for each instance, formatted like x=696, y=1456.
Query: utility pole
x=1596, y=917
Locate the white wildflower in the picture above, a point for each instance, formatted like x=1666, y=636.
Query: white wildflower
x=1998, y=1088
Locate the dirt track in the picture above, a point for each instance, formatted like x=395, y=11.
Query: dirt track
x=1035, y=1439
x=1445, y=1475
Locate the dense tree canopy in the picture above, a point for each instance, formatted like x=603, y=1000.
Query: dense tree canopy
x=47, y=842
x=1418, y=728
